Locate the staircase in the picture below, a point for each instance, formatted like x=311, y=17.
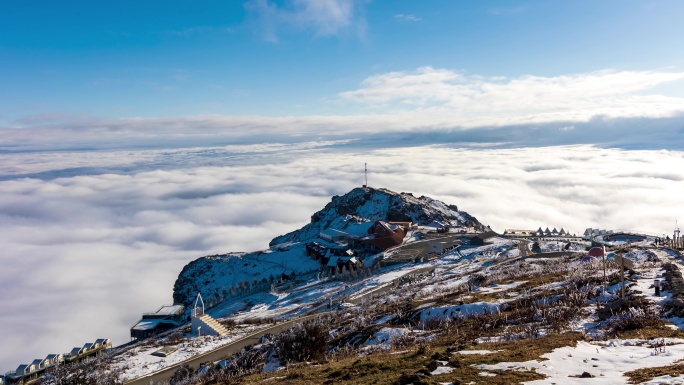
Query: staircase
x=202, y=323
x=209, y=326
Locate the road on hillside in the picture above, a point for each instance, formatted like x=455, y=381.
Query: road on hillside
x=225, y=351
x=408, y=252
x=391, y=285
x=554, y=254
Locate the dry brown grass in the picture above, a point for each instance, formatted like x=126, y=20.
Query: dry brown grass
x=386, y=368
x=649, y=333
x=646, y=374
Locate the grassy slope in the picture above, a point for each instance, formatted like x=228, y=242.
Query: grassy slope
x=401, y=366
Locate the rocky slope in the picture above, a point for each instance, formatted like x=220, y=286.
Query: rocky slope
x=372, y=204
x=233, y=275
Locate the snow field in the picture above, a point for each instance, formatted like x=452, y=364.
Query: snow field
x=606, y=361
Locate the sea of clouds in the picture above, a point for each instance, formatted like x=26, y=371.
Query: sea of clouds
x=92, y=239
x=99, y=215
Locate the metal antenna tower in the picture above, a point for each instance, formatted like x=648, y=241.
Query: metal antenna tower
x=676, y=231
x=365, y=172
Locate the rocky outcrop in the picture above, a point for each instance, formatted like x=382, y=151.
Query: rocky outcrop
x=372, y=204
x=233, y=276
x=676, y=285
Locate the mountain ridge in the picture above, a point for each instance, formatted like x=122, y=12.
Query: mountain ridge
x=219, y=275
x=380, y=204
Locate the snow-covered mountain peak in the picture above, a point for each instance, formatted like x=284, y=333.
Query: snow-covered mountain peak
x=353, y=213
x=371, y=204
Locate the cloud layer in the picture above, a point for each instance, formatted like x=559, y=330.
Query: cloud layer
x=84, y=255
x=475, y=101
x=626, y=109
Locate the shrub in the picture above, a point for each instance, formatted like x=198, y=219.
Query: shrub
x=173, y=339
x=634, y=318
x=436, y=323
x=83, y=374
x=181, y=376
x=247, y=361
x=402, y=340
x=258, y=321
x=304, y=342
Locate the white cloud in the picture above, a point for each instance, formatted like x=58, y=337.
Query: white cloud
x=394, y=129
x=322, y=17
x=605, y=107
x=407, y=17
x=328, y=17
x=444, y=97
x=83, y=256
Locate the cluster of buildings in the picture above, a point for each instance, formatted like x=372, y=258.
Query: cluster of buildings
x=334, y=257
x=339, y=249
x=539, y=233
x=40, y=367
x=590, y=233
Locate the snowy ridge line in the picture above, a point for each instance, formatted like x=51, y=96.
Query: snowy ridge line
x=195, y=361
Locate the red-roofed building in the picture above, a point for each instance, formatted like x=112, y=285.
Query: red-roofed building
x=382, y=236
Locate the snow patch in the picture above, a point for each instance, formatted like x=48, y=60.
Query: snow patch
x=607, y=361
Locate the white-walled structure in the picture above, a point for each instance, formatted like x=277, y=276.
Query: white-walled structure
x=204, y=324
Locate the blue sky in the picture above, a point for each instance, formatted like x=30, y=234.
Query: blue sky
x=282, y=58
